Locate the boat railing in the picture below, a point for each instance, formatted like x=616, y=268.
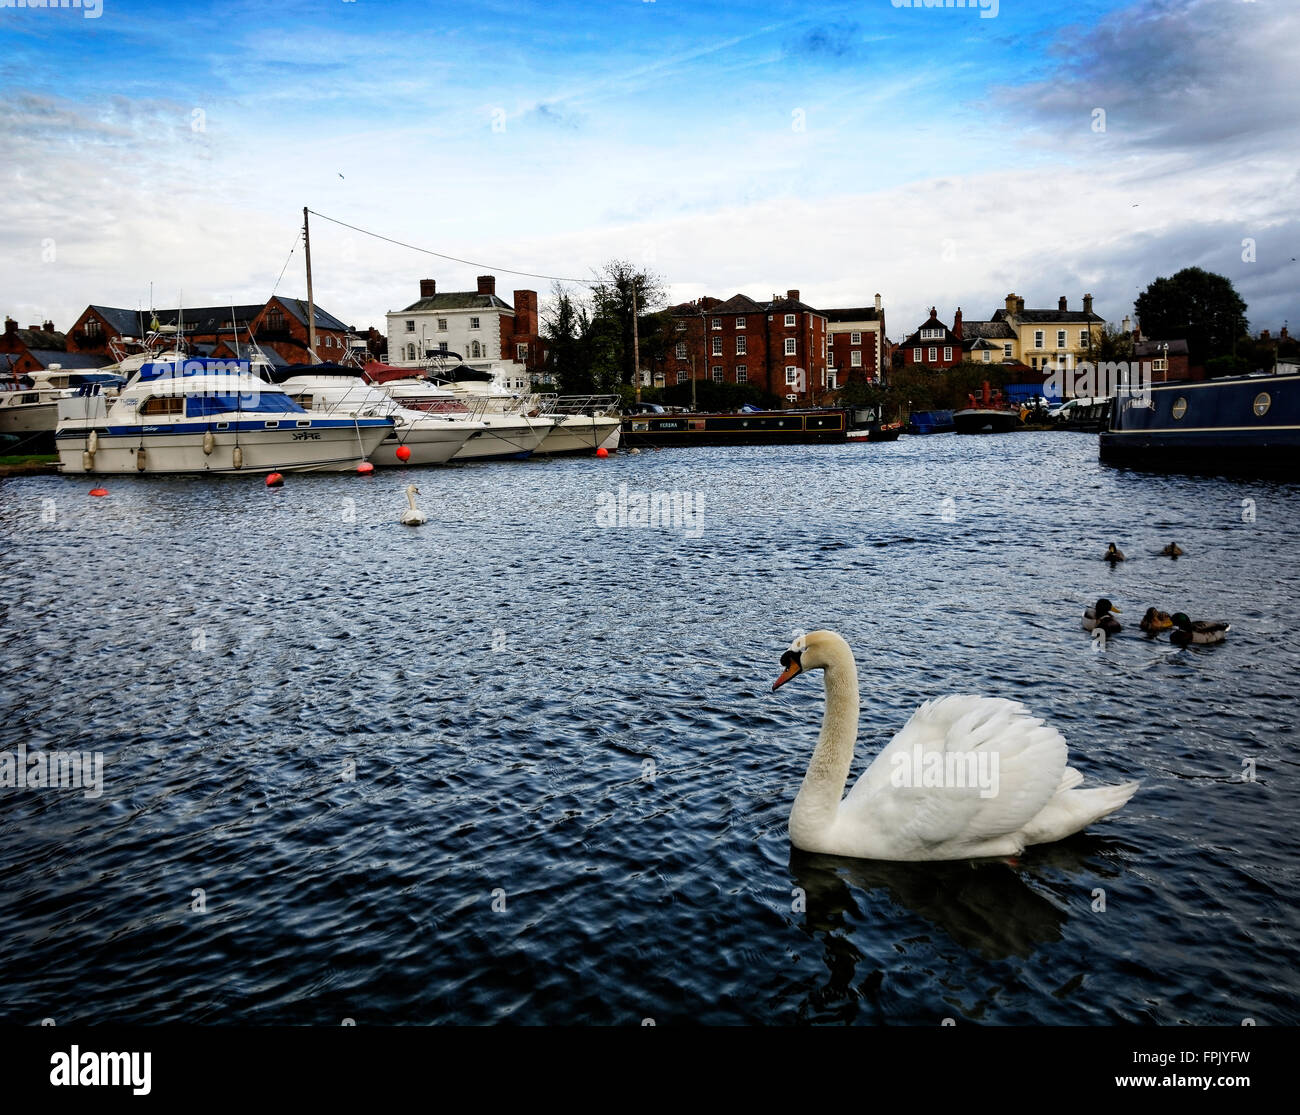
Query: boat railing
x=590, y=405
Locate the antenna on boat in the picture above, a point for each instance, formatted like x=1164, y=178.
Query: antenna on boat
x=311, y=304
x=234, y=325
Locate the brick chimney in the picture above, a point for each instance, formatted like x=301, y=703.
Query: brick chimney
x=1020, y=305
x=48, y=326
x=1011, y=303
x=956, y=324
x=526, y=312
x=428, y=288
x=878, y=304
x=1264, y=335
x=11, y=326
x=1061, y=304
x=793, y=295
x=487, y=284
x=1283, y=336
x=1087, y=303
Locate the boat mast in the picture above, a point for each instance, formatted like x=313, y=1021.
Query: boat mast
x=311, y=304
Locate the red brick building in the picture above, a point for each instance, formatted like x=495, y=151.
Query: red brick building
x=778, y=346
x=933, y=345
x=38, y=347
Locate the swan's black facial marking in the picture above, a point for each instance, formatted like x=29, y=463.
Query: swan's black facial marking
x=792, y=661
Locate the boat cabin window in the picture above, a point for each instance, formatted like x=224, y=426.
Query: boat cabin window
x=163, y=404
x=304, y=401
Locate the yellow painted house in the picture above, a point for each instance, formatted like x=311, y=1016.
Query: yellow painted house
x=1043, y=338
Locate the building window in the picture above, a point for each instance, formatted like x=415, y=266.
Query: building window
x=1038, y=338
x=717, y=323
x=791, y=375
x=947, y=352
x=410, y=352
x=933, y=354
x=1033, y=362
x=855, y=360
x=681, y=327
x=742, y=373
x=521, y=354
x=442, y=325
x=410, y=325
x=91, y=328
x=932, y=334
x=740, y=323
x=683, y=377
x=1006, y=352
x=741, y=345
x=473, y=323
x=855, y=338
x=916, y=356
x=832, y=381
x=789, y=321
x=681, y=350
x=717, y=373
x=717, y=346
x=275, y=321
x=1060, y=338
x=1159, y=365
x=790, y=343
x=987, y=356
x=1085, y=339
x=442, y=346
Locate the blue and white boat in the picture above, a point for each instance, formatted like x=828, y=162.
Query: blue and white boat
x=188, y=415
x=1241, y=423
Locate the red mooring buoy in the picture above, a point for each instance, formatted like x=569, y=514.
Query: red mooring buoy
x=99, y=491
x=274, y=480
x=365, y=468
x=403, y=452
x=602, y=452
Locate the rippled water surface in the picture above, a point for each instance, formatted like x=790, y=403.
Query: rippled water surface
x=518, y=766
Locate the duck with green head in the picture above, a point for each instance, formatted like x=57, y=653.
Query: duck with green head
x=1201, y=632
x=1102, y=614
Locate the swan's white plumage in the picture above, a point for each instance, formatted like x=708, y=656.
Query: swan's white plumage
x=1036, y=799
x=413, y=516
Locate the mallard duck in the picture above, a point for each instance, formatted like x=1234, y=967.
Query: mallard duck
x=1113, y=555
x=1202, y=632
x=1154, y=622
x=1099, y=615
x=1173, y=550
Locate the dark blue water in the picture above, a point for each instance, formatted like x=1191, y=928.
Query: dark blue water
x=571, y=780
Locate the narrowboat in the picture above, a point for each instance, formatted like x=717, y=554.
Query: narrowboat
x=757, y=427
x=1242, y=423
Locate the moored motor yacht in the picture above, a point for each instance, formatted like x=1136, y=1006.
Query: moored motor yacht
x=331, y=389
x=507, y=431
x=583, y=423
x=205, y=415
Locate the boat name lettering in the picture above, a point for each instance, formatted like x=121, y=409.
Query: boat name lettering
x=304, y=435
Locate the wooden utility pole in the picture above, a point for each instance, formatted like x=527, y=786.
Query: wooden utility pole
x=311, y=304
x=692, y=381
x=636, y=345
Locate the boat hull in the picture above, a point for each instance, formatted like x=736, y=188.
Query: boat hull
x=428, y=445
x=777, y=427
x=503, y=440
x=334, y=448
x=980, y=421
x=580, y=433
x=1244, y=424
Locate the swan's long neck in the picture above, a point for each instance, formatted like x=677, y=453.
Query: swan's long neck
x=410, y=498
x=818, y=801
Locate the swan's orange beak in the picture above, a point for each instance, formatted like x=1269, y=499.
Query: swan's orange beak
x=790, y=661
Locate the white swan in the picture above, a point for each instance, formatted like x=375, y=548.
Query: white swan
x=413, y=517
x=966, y=777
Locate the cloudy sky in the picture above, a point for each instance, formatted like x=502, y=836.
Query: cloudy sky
x=936, y=156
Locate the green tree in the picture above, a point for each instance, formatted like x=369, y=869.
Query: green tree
x=566, y=329
x=1196, y=305
x=612, y=299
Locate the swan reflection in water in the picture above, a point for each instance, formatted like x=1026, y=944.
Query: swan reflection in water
x=991, y=909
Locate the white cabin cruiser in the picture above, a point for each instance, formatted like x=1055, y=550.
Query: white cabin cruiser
x=506, y=432
x=431, y=439
x=583, y=423
x=205, y=415
x=29, y=404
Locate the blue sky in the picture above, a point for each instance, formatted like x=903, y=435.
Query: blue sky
x=935, y=156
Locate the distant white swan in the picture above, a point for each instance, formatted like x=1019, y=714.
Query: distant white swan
x=413, y=517
x=966, y=777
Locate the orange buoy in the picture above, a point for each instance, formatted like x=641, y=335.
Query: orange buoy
x=274, y=480
x=403, y=452
x=99, y=491
x=365, y=468
x=602, y=452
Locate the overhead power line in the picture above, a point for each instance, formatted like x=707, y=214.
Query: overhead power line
x=453, y=259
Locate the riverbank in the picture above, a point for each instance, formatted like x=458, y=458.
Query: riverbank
x=28, y=464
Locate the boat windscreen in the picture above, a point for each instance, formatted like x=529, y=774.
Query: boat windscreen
x=264, y=402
